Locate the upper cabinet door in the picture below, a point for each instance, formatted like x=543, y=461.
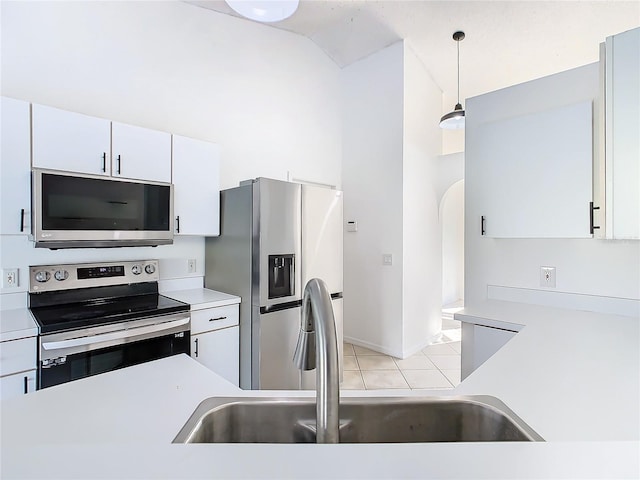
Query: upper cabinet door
x=622, y=137
x=529, y=157
x=70, y=141
x=196, y=179
x=140, y=153
x=15, y=165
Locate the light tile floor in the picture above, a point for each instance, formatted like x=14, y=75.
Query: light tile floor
x=434, y=367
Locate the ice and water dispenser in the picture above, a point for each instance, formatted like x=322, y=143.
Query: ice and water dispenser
x=282, y=276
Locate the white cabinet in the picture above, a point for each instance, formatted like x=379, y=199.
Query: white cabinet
x=140, y=153
x=529, y=150
x=15, y=167
x=70, y=141
x=622, y=135
x=196, y=179
x=479, y=343
x=215, y=340
x=17, y=367
x=74, y=142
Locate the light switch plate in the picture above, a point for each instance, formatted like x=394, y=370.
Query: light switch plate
x=387, y=259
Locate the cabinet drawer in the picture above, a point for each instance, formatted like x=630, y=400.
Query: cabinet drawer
x=17, y=384
x=214, y=318
x=17, y=356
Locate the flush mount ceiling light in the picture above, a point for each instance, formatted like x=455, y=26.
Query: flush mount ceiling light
x=264, y=10
x=455, y=120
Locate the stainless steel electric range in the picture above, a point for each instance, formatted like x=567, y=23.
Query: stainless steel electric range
x=98, y=317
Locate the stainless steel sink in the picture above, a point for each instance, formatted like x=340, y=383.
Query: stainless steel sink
x=362, y=420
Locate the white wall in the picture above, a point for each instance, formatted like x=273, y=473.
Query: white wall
x=583, y=266
x=270, y=98
x=452, y=227
x=372, y=180
x=391, y=141
x=422, y=247
x=450, y=191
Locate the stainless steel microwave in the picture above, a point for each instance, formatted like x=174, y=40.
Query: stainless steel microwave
x=72, y=210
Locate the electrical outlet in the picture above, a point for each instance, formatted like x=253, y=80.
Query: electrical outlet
x=387, y=259
x=9, y=277
x=191, y=265
x=548, y=277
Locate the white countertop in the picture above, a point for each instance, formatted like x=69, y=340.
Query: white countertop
x=201, y=298
x=572, y=376
x=17, y=323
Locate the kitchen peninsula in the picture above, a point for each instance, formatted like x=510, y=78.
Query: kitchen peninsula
x=121, y=424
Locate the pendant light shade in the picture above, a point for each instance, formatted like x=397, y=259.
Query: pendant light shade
x=264, y=10
x=455, y=120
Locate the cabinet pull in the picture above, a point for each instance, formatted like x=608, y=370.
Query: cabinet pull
x=219, y=318
x=26, y=384
x=22, y=220
x=196, y=352
x=104, y=162
x=178, y=224
x=118, y=168
x=592, y=227
x=482, y=225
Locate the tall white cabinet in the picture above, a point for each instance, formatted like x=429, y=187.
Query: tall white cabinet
x=622, y=135
x=15, y=173
x=196, y=178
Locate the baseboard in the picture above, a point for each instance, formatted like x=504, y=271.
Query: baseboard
x=386, y=351
x=371, y=346
x=574, y=301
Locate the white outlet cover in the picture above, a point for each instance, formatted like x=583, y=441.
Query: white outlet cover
x=548, y=277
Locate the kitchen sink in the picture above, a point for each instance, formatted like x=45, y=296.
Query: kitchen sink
x=362, y=420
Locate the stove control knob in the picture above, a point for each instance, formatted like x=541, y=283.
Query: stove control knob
x=61, y=275
x=150, y=268
x=42, y=276
x=136, y=269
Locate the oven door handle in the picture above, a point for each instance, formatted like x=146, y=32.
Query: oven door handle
x=119, y=335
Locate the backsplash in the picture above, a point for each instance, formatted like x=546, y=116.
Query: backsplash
x=16, y=251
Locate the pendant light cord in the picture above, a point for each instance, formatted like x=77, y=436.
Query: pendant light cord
x=458, y=44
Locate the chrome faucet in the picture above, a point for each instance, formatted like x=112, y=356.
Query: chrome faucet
x=317, y=315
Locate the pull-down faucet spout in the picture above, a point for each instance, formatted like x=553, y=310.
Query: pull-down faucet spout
x=318, y=344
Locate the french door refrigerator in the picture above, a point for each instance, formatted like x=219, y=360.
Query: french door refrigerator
x=274, y=237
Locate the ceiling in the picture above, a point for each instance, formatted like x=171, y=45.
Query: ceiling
x=507, y=42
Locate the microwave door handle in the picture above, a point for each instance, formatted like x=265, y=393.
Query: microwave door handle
x=119, y=335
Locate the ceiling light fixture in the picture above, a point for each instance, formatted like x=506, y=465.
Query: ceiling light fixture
x=455, y=120
x=264, y=10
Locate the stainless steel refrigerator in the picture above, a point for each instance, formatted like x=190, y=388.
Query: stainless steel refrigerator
x=274, y=237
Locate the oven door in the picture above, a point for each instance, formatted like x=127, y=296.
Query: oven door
x=73, y=355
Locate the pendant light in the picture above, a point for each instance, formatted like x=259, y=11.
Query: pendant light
x=264, y=10
x=455, y=120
